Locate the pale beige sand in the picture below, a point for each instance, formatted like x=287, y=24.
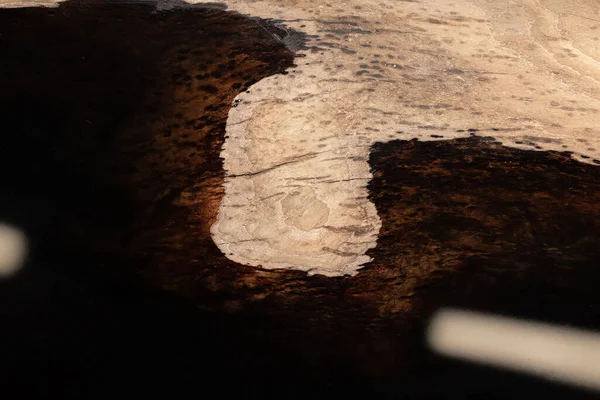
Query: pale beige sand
x=394, y=70
x=296, y=158
x=29, y=3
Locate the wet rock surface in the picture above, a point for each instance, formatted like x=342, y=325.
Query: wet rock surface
x=113, y=120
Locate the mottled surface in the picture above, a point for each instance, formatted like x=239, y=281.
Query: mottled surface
x=526, y=72
x=471, y=207
x=113, y=169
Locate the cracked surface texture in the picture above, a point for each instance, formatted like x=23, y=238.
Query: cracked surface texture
x=524, y=72
x=115, y=117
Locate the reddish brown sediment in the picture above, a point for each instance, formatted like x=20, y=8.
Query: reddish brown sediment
x=118, y=144
x=467, y=222
x=379, y=71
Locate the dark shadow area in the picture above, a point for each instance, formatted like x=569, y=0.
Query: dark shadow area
x=501, y=230
x=489, y=228
x=94, y=108
x=113, y=116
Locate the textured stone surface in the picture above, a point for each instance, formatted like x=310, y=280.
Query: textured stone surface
x=117, y=144
x=525, y=72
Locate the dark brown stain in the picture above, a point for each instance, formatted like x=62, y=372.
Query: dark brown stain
x=113, y=117
x=493, y=228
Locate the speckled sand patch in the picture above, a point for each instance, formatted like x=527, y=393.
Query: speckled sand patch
x=525, y=72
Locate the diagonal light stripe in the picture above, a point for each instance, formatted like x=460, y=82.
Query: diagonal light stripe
x=13, y=250
x=549, y=351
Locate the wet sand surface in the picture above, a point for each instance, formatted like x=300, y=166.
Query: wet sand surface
x=113, y=121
